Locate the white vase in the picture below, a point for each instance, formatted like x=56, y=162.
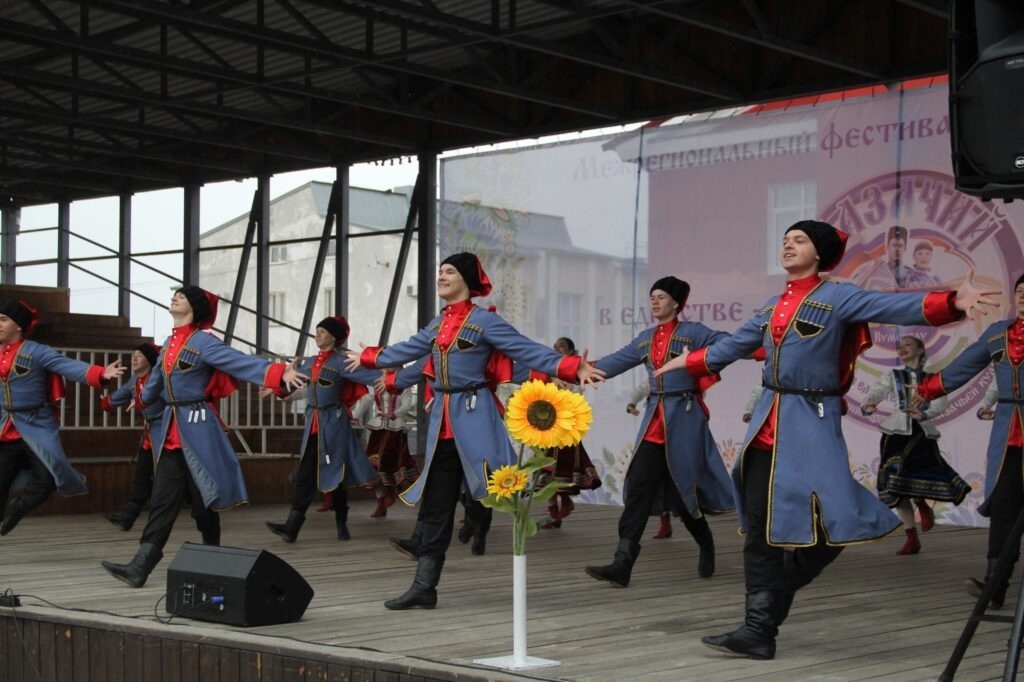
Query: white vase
x=518, y=660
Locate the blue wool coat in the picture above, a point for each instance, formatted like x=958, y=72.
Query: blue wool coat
x=990, y=348
x=811, y=476
x=694, y=461
x=152, y=412
x=26, y=401
x=480, y=435
x=341, y=458
x=211, y=459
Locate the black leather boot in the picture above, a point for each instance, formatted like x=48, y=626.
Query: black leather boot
x=756, y=637
x=481, y=520
x=620, y=569
x=423, y=593
x=341, y=521
x=706, y=541
x=289, y=530
x=410, y=547
x=466, y=529
x=17, y=512
x=211, y=537
x=125, y=518
x=706, y=560
x=135, y=572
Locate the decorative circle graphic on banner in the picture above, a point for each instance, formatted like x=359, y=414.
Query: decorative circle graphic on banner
x=912, y=231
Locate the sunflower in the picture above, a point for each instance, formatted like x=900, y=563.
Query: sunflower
x=507, y=481
x=541, y=415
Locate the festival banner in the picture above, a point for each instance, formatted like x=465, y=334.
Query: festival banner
x=576, y=232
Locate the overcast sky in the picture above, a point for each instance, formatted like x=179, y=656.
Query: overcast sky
x=157, y=219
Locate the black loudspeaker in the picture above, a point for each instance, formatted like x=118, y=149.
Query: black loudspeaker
x=235, y=586
x=986, y=97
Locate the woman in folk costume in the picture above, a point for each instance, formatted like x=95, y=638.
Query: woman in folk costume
x=572, y=466
x=332, y=456
x=130, y=396
x=674, y=442
x=385, y=415
x=31, y=456
x=466, y=436
x=194, y=458
x=1002, y=346
x=797, y=500
x=911, y=469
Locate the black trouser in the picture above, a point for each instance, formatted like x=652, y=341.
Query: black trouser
x=15, y=455
x=1005, y=504
x=306, y=481
x=172, y=485
x=646, y=478
x=440, y=495
x=764, y=566
x=142, y=482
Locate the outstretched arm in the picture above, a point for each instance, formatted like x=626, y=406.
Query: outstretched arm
x=678, y=362
x=971, y=300
x=587, y=373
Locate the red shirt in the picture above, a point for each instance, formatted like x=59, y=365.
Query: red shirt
x=7, y=355
x=314, y=374
x=655, y=432
x=454, y=316
x=1015, y=351
x=789, y=302
x=179, y=335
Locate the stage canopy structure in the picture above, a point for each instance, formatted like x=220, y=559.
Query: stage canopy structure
x=110, y=97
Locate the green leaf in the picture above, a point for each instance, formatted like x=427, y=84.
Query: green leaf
x=548, y=491
x=530, y=527
x=501, y=504
x=536, y=463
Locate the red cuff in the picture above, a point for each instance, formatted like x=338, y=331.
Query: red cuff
x=389, y=382
x=539, y=376
x=568, y=367
x=696, y=365
x=94, y=376
x=105, y=404
x=272, y=379
x=931, y=387
x=368, y=358
x=940, y=308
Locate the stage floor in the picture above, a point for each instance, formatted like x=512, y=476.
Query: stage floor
x=872, y=615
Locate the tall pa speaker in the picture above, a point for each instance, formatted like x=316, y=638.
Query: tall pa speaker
x=986, y=97
x=235, y=586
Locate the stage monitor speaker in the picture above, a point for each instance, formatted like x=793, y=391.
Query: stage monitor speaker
x=986, y=97
x=236, y=586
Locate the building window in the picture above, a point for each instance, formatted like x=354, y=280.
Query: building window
x=329, y=302
x=570, y=315
x=787, y=204
x=278, y=254
x=332, y=247
x=276, y=307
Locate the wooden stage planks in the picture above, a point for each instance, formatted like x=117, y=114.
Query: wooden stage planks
x=872, y=615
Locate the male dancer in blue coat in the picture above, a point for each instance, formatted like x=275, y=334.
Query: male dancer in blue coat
x=1002, y=346
x=466, y=436
x=143, y=359
x=674, y=443
x=194, y=457
x=332, y=456
x=796, y=497
x=29, y=430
